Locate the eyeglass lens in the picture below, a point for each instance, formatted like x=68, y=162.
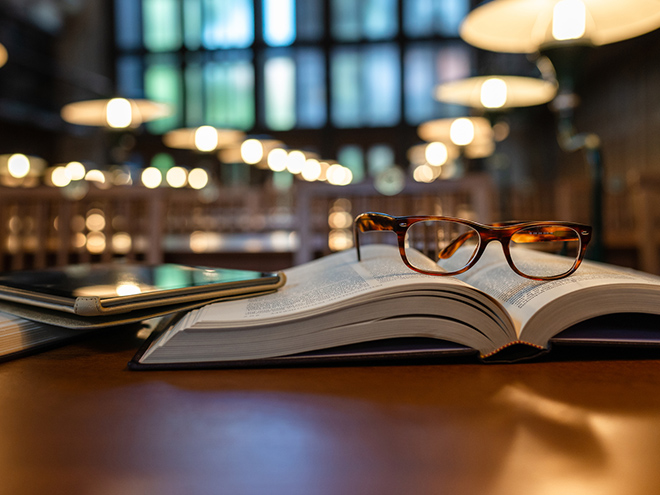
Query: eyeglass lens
x=526, y=243
x=452, y=245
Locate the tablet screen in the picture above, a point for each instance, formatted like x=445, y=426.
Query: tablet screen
x=116, y=280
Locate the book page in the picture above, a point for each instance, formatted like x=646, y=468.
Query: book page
x=337, y=300
x=18, y=334
x=321, y=285
x=524, y=298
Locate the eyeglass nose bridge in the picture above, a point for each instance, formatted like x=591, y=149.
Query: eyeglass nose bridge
x=503, y=238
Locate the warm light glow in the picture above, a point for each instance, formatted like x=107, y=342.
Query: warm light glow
x=95, y=176
x=295, y=162
x=177, y=177
x=569, y=20
x=493, y=93
x=59, y=177
x=76, y=170
x=121, y=243
x=311, y=170
x=252, y=151
x=206, y=138
x=339, y=175
x=95, y=221
x=199, y=241
x=78, y=240
x=324, y=170
x=118, y=113
x=436, y=153
x=340, y=220
x=497, y=91
x=18, y=165
x=340, y=239
x=128, y=289
x=524, y=26
x=95, y=242
x=461, y=131
x=277, y=159
x=151, y=177
x=198, y=178
x=121, y=176
x=464, y=132
x=423, y=173
x=4, y=56
x=500, y=131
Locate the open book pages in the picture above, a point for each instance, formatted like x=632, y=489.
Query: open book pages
x=540, y=310
x=18, y=335
x=337, y=300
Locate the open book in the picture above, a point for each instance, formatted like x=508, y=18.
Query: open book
x=337, y=301
x=19, y=336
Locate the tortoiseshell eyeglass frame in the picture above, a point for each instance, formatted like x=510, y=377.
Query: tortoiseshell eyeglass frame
x=501, y=232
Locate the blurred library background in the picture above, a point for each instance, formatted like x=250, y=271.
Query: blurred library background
x=250, y=133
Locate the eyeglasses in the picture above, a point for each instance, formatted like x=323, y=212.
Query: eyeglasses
x=437, y=245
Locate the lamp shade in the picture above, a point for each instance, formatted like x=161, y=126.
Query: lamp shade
x=470, y=130
x=423, y=153
x=497, y=92
x=204, y=138
x=115, y=112
x=522, y=26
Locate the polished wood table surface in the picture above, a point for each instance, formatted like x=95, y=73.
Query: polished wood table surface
x=75, y=420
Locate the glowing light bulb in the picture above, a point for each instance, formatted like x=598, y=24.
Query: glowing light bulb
x=59, y=177
x=493, y=93
x=252, y=151
x=18, y=165
x=76, y=170
x=118, y=113
x=295, y=162
x=423, y=173
x=177, y=177
x=436, y=154
x=198, y=178
x=311, y=170
x=338, y=175
x=151, y=177
x=95, y=176
x=277, y=159
x=461, y=131
x=206, y=138
x=569, y=20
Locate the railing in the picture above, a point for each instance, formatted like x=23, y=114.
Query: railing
x=39, y=227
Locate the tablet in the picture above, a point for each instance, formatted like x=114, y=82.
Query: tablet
x=110, y=289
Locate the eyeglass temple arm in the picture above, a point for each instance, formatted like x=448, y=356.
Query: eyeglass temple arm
x=451, y=248
x=370, y=221
x=549, y=234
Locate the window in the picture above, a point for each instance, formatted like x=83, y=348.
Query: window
x=365, y=86
x=276, y=66
x=425, y=66
x=279, y=22
x=423, y=18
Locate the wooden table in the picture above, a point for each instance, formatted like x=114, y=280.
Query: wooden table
x=75, y=420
